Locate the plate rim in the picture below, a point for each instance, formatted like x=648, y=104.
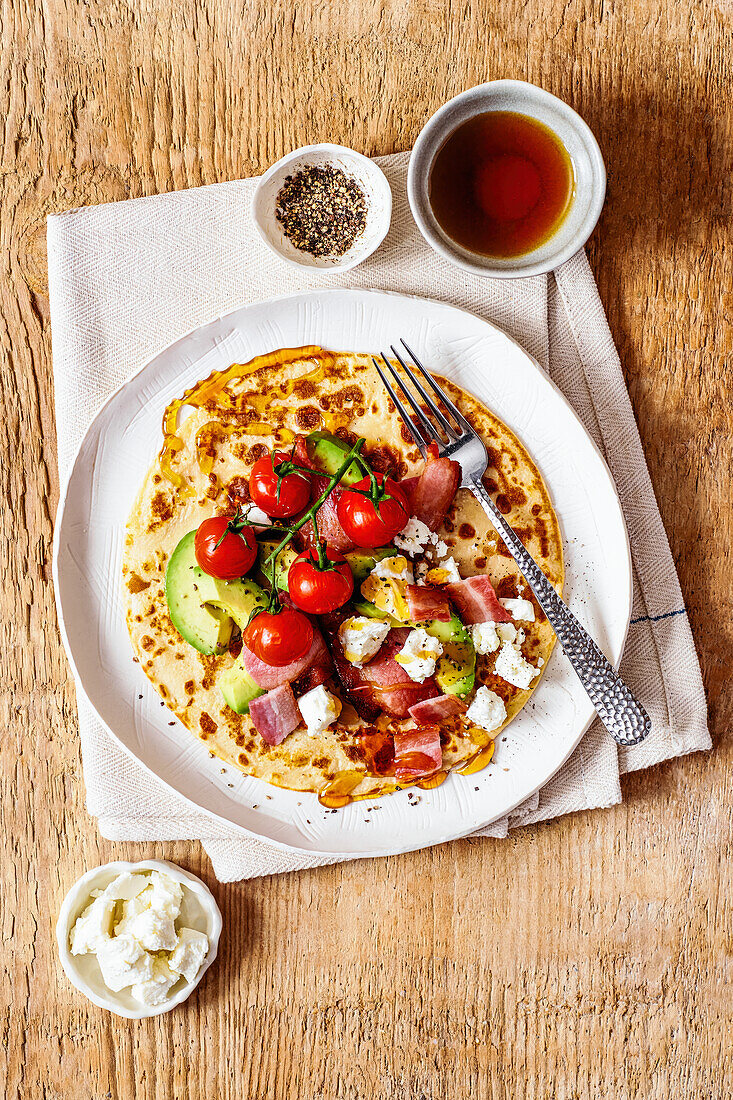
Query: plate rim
x=316, y=854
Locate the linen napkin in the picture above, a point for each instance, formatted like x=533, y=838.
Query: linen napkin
x=128, y=278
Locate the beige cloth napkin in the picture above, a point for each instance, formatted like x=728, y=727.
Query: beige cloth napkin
x=127, y=279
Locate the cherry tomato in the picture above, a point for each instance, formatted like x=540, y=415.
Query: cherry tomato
x=295, y=488
x=320, y=590
x=225, y=547
x=361, y=521
x=279, y=638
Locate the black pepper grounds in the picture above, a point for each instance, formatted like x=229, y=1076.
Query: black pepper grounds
x=322, y=210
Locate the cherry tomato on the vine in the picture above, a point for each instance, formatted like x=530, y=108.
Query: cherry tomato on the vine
x=366, y=525
x=294, y=488
x=225, y=547
x=318, y=591
x=279, y=637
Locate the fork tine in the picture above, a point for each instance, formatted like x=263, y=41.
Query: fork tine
x=447, y=427
x=406, y=418
x=428, y=427
x=459, y=417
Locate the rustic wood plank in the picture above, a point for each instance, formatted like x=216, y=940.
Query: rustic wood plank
x=587, y=957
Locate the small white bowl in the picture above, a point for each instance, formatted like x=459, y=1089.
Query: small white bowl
x=576, y=136
x=367, y=174
x=198, y=910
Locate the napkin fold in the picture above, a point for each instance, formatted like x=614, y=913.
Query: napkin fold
x=126, y=279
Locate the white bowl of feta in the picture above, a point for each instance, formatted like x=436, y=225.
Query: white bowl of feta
x=137, y=938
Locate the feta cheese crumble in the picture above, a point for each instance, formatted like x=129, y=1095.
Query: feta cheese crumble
x=485, y=637
x=386, y=584
x=320, y=708
x=512, y=666
x=419, y=655
x=487, y=710
x=395, y=568
x=362, y=638
x=130, y=927
x=522, y=610
x=414, y=536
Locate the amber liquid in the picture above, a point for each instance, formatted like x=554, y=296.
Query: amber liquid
x=501, y=184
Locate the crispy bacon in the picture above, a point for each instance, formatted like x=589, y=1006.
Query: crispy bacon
x=417, y=752
x=382, y=685
x=425, y=602
x=275, y=714
x=268, y=676
x=433, y=493
x=434, y=710
x=476, y=601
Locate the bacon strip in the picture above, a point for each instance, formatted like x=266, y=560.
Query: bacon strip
x=417, y=752
x=425, y=602
x=268, y=676
x=476, y=601
x=433, y=493
x=275, y=714
x=382, y=685
x=430, y=711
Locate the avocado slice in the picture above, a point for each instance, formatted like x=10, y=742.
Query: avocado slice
x=361, y=562
x=188, y=591
x=284, y=560
x=238, y=688
x=237, y=599
x=364, y=607
x=328, y=452
x=455, y=671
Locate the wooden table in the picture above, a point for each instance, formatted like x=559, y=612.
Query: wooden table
x=589, y=957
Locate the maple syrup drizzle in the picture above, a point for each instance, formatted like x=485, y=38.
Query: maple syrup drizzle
x=432, y=781
x=212, y=391
x=337, y=794
x=478, y=761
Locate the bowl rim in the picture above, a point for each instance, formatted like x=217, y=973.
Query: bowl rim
x=345, y=152
x=432, y=132
x=83, y=887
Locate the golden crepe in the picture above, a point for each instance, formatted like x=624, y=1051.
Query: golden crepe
x=212, y=437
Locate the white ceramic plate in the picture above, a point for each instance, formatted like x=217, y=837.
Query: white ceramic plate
x=109, y=468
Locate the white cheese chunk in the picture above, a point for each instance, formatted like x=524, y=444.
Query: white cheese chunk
x=257, y=516
x=93, y=927
x=421, y=572
x=167, y=894
x=506, y=631
x=362, y=638
x=520, y=610
x=395, y=568
x=487, y=710
x=154, y=989
x=189, y=953
x=419, y=655
x=123, y=962
x=414, y=536
x=512, y=666
x=154, y=930
x=125, y=887
x=485, y=638
x=320, y=708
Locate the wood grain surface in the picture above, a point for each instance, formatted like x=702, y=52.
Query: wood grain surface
x=589, y=957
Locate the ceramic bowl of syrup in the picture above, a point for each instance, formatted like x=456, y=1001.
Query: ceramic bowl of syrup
x=506, y=180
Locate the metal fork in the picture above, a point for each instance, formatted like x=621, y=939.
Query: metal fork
x=622, y=715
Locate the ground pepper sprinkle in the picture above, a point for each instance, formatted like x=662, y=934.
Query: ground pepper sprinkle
x=322, y=210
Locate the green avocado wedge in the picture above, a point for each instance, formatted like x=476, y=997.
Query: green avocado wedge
x=238, y=688
x=328, y=452
x=188, y=591
x=285, y=559
x=361, y=562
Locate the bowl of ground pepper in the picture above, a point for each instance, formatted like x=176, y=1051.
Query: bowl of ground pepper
x=323, y=206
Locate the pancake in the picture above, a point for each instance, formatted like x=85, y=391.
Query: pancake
x=213, y=435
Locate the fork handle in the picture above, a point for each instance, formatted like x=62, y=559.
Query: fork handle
x=622, y=715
